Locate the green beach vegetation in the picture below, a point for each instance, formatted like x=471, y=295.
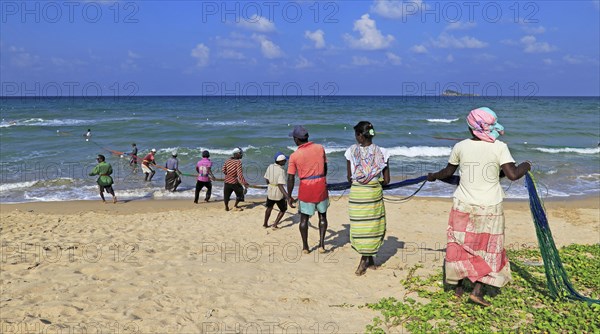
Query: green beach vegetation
x=522, y=306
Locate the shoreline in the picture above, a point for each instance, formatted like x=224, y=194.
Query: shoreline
x=133, y=206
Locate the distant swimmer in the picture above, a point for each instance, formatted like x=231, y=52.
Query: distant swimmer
x=105, y=181
x=88, y=135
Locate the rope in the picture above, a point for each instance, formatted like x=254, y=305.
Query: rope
x=556, y=276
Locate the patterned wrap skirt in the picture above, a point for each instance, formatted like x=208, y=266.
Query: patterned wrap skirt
x=367, y=217
x=475, y=248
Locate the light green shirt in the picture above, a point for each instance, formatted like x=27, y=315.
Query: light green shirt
x=104, y=169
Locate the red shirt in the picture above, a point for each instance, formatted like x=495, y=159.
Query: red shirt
x=233, y=171
x=309, y=163
x=148, y=159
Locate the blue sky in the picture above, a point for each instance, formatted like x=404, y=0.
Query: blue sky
x=506, y=48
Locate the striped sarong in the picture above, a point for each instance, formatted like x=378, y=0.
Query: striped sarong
x=367, y=217
x=475, y=248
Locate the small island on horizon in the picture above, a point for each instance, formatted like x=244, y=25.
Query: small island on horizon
x=449, y=92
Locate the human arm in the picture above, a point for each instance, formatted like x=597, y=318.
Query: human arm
x=210, y=173
x=240, y=174
x=514, y=172
x=95, y=171
x=283, y=191
x=386, y=173
x=448, y=171
x=348, y=171
x=290, y=187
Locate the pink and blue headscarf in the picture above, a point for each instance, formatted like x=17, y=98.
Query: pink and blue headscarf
x=483, y=122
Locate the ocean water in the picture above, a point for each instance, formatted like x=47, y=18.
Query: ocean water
x=44, y=157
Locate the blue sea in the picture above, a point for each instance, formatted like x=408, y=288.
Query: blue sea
x=44, y=157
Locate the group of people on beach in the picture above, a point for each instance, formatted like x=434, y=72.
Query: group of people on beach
x=475, y=248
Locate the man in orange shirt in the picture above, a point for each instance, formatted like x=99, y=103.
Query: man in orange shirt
x=310, y=163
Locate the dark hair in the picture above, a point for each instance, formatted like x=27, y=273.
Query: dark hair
x=132, y=144
x=101, y=157
x=364, y=128
x=205, y=154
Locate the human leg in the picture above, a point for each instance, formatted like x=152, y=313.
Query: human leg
x=208, y=191
x=227, y=190
x=197, y=191
x=304, y=232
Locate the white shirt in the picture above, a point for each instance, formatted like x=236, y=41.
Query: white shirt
x=479, y=169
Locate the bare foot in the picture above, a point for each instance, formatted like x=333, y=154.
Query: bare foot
x=305, y=251
x=458, y=292
x=275, y=227
x=266, y=226
x=115, y=200
x=322, y=250
x=479, y=300
x=362, y=269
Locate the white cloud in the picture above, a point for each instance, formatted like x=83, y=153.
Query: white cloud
x=202, y=54
x=317, y=36
x=257, y=23
x=533, y=30
x=460, y=26
x=133, y=55
x=547, y=61
x=573, y=60
x=397, y=9
x=450, y=58
x=393, y=58
x=269, y=49
x=231, y=54
x=445, y=40
x=418, y=48
x=370, y=37
x=362, y=61
x=21, y=58
x=509, y=42
x=531, y=45
x=303, y=63
x=235, y=41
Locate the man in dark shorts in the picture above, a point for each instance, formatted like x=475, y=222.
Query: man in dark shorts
x=276, y=194
x=234, y=180
x=105, y=181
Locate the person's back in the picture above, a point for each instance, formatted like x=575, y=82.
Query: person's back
x=172, y=164
x=479, y=169
x=232, y=169
x=309, y=163
x=203, y=166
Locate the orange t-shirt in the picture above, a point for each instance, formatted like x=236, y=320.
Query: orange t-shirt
x=309, y=163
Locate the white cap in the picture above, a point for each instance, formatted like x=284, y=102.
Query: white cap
x=153, y=150
x=281, y=157
x=174, y=153
x=237, y=150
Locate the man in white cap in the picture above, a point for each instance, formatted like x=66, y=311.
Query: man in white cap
x=276, y=194
x=172, y=179
x=310, y=163
x=234, y=180
x=147, y=165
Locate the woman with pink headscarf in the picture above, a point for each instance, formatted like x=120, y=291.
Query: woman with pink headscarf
x=475, y=248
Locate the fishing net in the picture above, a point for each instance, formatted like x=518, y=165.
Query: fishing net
x=558, y=282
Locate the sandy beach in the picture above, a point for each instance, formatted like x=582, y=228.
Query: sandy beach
x=178, y=267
